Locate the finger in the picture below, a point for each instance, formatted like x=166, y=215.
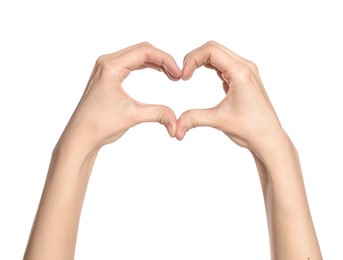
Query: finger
x=210, y=54
x=112, y=56
x=157, y=113
x=145, y=53
x=230, y=52
x=170, y=75
x=164, y=69
x=149, y=65
x=220, y=75
x=195, y=118
x=248, y=63
x=126, y=51
x=123, y=51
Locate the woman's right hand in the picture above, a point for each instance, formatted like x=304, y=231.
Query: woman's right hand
x=106, y=111
x=245, y=114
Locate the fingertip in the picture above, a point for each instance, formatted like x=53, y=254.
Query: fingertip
x=186, y=73
x=188, y=69
x=181, y=128
x=170, y=64
x=181, y=134
x=168, y=119
x=173, y=74
x=185, y=77
x=174, y=78
x=179, y=138
x=171, y=130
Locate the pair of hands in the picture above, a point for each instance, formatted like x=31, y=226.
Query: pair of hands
x=105, y=111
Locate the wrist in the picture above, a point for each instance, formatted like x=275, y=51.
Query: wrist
x=76, y=142
x=280, y=161
x=75, y=155
x=270, y=147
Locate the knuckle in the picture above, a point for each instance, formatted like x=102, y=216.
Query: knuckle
x=193, y=121
x=252, y=66
x=211, y=44
x=162, y=115
x=108, y=66
x=246, y=74
x=100, y=59
x=211, y=47
x=146, y=44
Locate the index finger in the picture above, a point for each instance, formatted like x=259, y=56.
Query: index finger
x=145, y=54
x=210, y=54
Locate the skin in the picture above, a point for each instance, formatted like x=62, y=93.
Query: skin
x=105, y=112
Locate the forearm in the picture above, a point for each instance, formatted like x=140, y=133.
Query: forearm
x=54, y=232
x=291, y=231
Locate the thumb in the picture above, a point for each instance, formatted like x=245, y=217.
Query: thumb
x=194, y=118
x=157, y=113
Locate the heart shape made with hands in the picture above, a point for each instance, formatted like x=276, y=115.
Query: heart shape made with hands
x=245, y=114
x=237, y=114
x=206, y=56
x=202, y=91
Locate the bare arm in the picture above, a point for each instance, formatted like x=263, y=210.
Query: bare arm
x=104, y=114
x=246, y=115
x=291, y=230
x=54, y=231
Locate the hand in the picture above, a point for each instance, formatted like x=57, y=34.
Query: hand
x=106, y=111
x=246, y=114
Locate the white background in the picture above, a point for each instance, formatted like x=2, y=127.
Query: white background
x=150, y=196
